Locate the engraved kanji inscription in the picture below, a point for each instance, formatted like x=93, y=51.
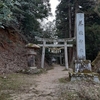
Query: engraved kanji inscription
x=80, y=23
x=81, y=50
x=80, y=41
x=80, y=33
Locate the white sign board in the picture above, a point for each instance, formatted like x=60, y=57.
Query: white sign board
x=80, y=34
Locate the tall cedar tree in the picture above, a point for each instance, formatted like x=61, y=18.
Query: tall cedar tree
x=92, y=23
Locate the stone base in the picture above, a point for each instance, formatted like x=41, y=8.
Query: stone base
x=84, y=76
x=81, y=65
x=33, y=70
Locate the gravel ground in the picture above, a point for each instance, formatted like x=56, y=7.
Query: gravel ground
x=45, y=86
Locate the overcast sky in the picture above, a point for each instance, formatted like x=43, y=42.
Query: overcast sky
x=54, y=4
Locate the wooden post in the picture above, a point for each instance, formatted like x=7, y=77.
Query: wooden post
x=66, y=55
x=43, y=54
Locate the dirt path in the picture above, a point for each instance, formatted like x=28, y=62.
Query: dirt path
x=45, y=86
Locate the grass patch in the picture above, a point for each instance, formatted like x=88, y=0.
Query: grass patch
x=15, y=83
x=65, y=69
x=64, y=80
x=8, y=83
x=79, y=90
x=33, y=72
x=49, y=68
x=4, y=96
x=41, y=71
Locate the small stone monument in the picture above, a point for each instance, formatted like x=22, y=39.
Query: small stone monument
x=31, y=53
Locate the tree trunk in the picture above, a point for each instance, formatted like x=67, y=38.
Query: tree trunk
x=70, y=33
x=74, y=47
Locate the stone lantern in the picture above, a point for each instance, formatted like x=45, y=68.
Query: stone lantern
x=31, y=53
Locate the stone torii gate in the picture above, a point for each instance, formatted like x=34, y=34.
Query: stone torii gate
x=45, y=45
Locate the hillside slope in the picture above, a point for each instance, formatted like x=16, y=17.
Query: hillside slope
x=12, y=51
x=96, y=63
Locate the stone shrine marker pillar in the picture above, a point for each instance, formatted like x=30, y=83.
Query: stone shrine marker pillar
x=80, y=37
x=82, y=66
x=81, y=63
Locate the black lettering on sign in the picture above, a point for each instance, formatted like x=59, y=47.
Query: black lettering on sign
x=81, y=50
x=80, y=41
x=80, y=23
x=80, y=33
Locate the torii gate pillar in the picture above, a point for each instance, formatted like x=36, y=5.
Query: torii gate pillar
x=66, y=55
x=43, y=54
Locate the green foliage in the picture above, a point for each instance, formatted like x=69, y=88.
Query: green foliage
x=62, y=14
x=5, y=12
x=34, y=10
x=24, y=15
x=4, y=96
x=92, y=41
x=49, y=30
x=64, y=80
x=62, y=19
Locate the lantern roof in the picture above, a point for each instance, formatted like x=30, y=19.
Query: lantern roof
x=31, y=45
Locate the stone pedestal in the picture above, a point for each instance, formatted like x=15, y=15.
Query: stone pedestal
x=91, y=76
x=81, y=65
x=33, y=70
x=83, y=71
x=82, y=68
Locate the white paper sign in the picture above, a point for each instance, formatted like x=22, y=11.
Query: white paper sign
x=80, y=34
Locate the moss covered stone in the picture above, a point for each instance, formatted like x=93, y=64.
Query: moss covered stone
x=84, y=76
